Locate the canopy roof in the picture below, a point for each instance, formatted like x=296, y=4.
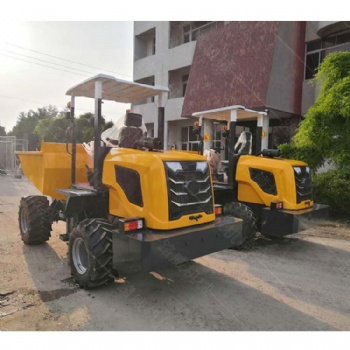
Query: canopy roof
x=225, y=113
x=114, y=89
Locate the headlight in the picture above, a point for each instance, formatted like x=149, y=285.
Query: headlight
x=174, y=166
x=201, y=166
x=297, y=170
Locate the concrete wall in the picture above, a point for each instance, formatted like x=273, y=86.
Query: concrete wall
x=165, y=59
x=159, y=65
x=143, y=26
x=285, y=86
x=311, y=31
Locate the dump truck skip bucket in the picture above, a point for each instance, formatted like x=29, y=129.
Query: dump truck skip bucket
x=50, y=168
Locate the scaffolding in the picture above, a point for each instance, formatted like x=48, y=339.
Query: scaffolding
x=9, y=163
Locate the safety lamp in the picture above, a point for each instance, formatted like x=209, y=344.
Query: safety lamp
x=130, y=225
x=276, y=205
x=218, y=209
x=225, y=132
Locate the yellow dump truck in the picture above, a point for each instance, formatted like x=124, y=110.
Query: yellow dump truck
x=261, y=188
x=130, y=207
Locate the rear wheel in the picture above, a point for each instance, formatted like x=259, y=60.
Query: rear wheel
x=33, y=218
x=91, y=254
x=249, y=231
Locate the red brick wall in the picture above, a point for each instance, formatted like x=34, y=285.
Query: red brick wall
x=231, y=65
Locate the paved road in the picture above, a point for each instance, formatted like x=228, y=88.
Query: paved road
x=298, y=283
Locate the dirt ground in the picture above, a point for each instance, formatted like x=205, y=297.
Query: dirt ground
x=298, y=283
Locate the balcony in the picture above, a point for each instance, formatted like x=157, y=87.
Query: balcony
x=328, y=28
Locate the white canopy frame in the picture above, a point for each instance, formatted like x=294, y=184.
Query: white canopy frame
x=106, y=87
x=237, y=113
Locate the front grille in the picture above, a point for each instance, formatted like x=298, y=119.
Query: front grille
x=189, y=188
x=303, y=183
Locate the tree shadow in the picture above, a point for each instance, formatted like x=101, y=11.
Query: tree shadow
x=193, y=297
x=50, y=273
x=188, y=297
x=315, y=273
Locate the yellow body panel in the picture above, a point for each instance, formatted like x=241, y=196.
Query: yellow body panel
x=154, y=187
x=50, y=168
x=249, y=191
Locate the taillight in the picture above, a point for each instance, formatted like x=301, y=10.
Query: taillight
x=132, y=224
x=276, y=205
x=218, y=209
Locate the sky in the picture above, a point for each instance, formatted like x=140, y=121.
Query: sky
x=40, y=61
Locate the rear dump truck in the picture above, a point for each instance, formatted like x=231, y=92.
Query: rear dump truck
x=264, y=188
x=128, y=208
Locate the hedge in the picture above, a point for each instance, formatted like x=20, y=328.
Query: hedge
x=333, y=188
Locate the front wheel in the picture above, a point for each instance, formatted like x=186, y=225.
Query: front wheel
x=249, y=231
x=90, y=253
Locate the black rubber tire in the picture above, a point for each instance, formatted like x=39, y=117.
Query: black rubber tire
x=33, y=219
x=243, y=212
x=90, y=253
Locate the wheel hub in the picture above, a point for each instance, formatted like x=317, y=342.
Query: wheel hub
x=80, y=256
x=24, y=221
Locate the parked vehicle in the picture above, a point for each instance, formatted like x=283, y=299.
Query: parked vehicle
x=133, y=207
x=276, y=192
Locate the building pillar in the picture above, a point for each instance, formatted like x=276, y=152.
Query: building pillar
x=207, y=128
x=262, y=137
x=231, y=145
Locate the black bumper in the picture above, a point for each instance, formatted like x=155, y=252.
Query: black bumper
x=148, y=250
x=279, y=223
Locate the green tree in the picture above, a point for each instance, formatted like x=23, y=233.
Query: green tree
x=54, y=129
x=50, y=124
x=27, y=121
x=325, y=131
x=85, y=127
x=324, y=134
x=2, y=131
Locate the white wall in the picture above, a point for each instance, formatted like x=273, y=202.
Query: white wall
x=159, y=65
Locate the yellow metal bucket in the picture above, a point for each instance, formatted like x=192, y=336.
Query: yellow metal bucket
x=50, y=168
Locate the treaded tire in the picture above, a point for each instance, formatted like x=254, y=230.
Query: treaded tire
x=243, y=212
x=33, y=219
x=90, y=253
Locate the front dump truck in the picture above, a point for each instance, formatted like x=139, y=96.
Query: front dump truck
x=128, y=207
x=153, y=209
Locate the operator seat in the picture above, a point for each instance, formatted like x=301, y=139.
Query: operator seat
x=131, y=132
x=244, y=144
x=242, y=147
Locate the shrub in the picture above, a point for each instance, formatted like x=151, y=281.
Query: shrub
x=310, y=155
x=332, y=188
